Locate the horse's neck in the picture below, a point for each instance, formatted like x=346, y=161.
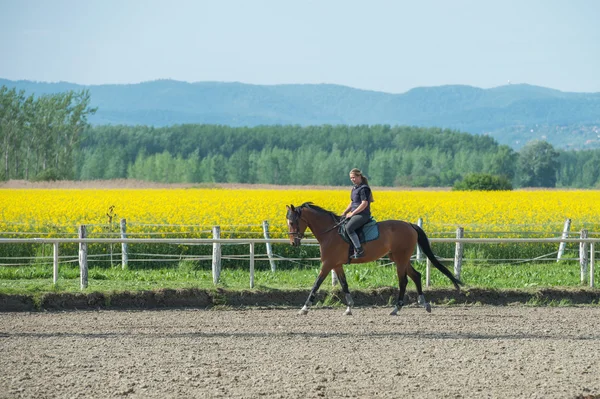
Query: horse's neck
x=319, y=224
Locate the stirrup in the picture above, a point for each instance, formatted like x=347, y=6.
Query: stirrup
x=358, y=253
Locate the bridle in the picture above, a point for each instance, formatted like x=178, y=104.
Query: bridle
x=294, y=218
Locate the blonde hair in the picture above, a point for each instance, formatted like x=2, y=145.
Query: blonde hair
x=357, y=172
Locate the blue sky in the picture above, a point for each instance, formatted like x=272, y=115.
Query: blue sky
x=389, y=46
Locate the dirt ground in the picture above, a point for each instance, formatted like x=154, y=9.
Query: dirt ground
x=454, y=352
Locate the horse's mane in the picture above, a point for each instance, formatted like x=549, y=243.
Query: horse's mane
x=320, y=210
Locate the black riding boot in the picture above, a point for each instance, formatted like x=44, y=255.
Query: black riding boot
x=358, y=251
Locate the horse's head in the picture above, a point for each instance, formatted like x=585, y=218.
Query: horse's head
x=296, y=225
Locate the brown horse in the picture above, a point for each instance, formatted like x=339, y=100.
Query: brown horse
x=397, y=239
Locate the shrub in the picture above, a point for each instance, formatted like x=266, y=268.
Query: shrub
x=483, y=182
x=49, y=174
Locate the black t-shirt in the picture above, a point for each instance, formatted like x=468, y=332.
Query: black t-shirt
x=359, y=194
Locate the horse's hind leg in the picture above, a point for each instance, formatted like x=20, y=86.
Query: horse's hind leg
x=339, y=271
x=416, y=277
x=311, y=297
x=402, y=282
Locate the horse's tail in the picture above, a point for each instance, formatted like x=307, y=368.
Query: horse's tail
x=423, y=242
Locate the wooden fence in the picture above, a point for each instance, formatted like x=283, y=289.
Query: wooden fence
x=586, y=245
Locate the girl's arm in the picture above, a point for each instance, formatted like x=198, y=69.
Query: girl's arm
x=359, y=209
x=347, y=209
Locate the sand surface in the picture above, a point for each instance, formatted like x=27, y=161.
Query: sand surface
x=454, y=352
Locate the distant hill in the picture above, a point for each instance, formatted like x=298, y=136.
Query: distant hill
x=512, y=114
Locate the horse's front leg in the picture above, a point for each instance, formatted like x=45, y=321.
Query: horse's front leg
x=339, y=271
x=403, y=281
x=311, y=297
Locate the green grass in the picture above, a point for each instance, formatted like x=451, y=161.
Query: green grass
x=38, y=278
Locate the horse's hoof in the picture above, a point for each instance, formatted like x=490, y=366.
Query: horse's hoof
x=303, y=312
x=348, y=312
x=394, y=312
x=428, y=307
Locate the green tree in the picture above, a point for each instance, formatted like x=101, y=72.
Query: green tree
x=77, y=107
x=12, y=122
x=303, y=166
x=537, y=165
x=382, y=171
x=116, y=168
x=93, y=165
x=501, y=162
x=238, y=166
x=213, y=168
x=193, y=172
x=591, y=172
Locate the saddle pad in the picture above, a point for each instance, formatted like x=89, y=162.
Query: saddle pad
x=368, y=232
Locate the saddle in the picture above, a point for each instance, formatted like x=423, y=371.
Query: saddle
x=367, y=232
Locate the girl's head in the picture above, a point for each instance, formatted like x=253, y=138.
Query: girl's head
x=357, y=177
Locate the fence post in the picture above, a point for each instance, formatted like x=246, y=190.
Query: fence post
x=428, y=273
x=565, y=234
x=216, y=258
x=592, y=261
x=268, y=245
x=583, y=256
x=83, y=265
x=251, y=265
x=55, y=263
x=419, y=252
x=458, y=253
x=124, y=256
x=334, y=279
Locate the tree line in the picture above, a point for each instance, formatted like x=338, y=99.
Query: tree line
x=40, y=135
x=323, y=155
x=48, y=138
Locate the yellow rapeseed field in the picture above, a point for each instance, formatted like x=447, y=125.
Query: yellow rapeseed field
x=54, y=211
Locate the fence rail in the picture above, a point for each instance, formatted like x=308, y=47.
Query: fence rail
x=586, y=245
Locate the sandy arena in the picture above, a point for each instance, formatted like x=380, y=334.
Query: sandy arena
x=454, y=352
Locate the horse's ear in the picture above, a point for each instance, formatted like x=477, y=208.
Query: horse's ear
x=291, y=207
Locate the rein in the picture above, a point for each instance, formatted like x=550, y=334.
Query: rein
x=338, y=224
